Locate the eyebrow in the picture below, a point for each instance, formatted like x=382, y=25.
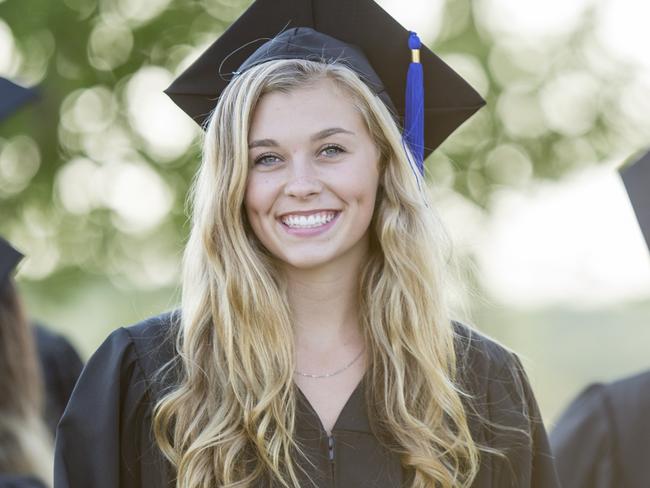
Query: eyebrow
x=316, y=137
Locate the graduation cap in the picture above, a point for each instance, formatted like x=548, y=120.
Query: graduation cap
x=358, y=33
x=636, y=178
x=12, y=97
x=9, y=259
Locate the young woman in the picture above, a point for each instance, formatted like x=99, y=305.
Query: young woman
x=313, y=347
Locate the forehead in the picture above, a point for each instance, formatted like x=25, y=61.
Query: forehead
x=309, y=108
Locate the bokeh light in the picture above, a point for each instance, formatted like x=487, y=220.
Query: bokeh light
x=139, y=197
x=35, y=239
x=631, y=41
x=78, y=186
x=20, y=159
x=9, y=56
x=520, y=112
x=509, y=164
x=470, y=68
x=552, y=235
x=422, y=16
x=224, y=10
x=570, y=102
x=135, y=12
x=88, y=110
x=109, y=45
x=516, y=61
x=167, y=132
x=530, y=19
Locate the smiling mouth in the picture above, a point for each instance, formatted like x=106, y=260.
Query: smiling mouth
x=311, y=221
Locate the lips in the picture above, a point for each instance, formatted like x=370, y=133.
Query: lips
x=308, y=220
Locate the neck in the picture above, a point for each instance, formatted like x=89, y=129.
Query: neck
x=325, y=306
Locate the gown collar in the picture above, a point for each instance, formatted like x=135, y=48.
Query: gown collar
x=353, y=416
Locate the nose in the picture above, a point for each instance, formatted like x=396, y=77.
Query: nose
x=303, y=180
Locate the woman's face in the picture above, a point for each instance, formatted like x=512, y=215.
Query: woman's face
x=314, y=172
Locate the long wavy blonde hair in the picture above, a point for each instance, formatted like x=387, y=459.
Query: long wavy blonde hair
x=230, y=419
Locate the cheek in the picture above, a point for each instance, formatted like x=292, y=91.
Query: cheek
x=261, y=193
x=360, y=186
x=252, y=206
x=368, y=195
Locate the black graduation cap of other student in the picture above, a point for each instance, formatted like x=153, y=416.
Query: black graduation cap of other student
x=358, y=33
x=636, y=178
x=9, y=259
x=12, y=97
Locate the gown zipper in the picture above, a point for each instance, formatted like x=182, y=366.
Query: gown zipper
x=330, y=456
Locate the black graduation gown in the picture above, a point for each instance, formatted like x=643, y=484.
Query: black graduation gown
x=60, y=368
x=602, y=440
x=104, y=439
x=10, y=481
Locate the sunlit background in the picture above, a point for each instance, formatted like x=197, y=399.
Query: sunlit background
x=94, y=175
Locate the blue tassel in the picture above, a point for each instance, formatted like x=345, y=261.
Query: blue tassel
x=414, y=110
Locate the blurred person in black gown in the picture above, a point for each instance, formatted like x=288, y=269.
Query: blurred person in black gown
x=602, y=440
x=59, y=361
x=61, y=366
x=26, y=445
x=313, y=347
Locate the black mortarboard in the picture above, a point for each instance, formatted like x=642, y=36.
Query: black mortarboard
x=359, y=32
x=12, y=97
x=9, y=258
x=637, y=183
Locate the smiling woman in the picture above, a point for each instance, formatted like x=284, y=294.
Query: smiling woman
x=314, y=347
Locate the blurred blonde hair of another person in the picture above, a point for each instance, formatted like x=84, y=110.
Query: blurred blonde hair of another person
x=26, y=447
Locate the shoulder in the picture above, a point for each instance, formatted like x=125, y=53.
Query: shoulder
x=494, y=380
x=629, y=401
x=105, y=436
x=150, y=343
x=632, y=392
x=153, y=336
x=586, y=420
x=59, y=359
x=582, y=440
x=135, y=355
x=606, y=426
x=52, y=345
x=122, y=373
x=493, y=377
x=481, y=358
x=607, y=404
x=502, y=412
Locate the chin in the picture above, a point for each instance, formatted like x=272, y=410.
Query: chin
x=306, y=262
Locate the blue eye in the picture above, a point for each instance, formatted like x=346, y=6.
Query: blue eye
x=266, y=160
x=332, y=150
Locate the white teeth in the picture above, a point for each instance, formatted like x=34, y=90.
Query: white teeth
x=304, y=222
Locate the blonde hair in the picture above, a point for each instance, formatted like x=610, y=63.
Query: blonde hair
x=230, y=419
x=25, y=443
